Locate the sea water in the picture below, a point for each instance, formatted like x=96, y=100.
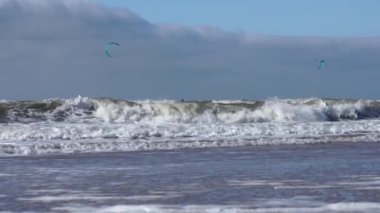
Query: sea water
x=109, y=155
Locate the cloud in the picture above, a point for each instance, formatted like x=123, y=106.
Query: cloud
x=55, y=49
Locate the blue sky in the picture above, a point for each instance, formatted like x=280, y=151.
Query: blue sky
x=277, y=17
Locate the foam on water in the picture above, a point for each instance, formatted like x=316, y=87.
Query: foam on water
x=102, y=125
x=333, y=207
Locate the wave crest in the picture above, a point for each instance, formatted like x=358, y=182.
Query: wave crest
x=83, y=109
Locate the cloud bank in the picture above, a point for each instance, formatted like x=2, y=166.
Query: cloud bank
x=55, y=49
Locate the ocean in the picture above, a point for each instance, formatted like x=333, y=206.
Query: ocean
x=109, y=155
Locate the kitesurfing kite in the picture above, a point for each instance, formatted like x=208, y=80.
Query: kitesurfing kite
x=108, y=47
x=322, y=63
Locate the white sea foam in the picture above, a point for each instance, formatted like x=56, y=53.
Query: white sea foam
x=315, y=207
x=156, y=209
x=44, y=138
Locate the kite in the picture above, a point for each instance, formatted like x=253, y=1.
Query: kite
x=322, y=63
x=108, y=47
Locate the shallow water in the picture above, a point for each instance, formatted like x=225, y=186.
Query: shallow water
x=314, y=177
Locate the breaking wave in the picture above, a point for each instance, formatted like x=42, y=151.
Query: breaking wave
x=81, y=124
x=197, y=112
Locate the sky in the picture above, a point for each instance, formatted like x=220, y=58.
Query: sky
x=197, y=51
x=284, y=17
